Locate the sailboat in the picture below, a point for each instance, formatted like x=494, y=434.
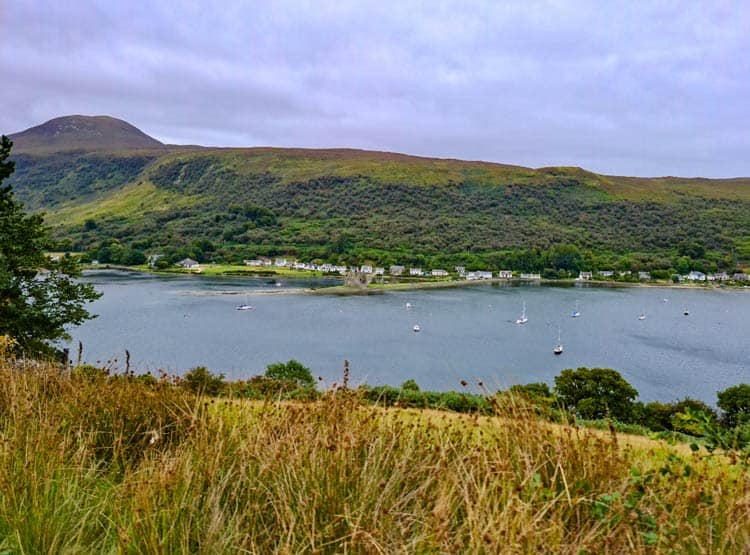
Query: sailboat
x=642, y=315
x=576, y=313
x=686, y=311
x=558, y=348
x=416, y=327
x=245, y=306
x=522, y=319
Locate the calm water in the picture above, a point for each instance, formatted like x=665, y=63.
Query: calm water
x=176, y=323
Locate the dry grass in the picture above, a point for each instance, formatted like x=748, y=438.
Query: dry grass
x=101, y=464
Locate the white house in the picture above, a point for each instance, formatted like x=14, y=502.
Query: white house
x=280, y=262
x=415, y=271
x=254, y=262
x=531, y=276
x=396, y=270
x=484, y=275
x=188, y=263
x=741, y=277
x=644, y=275
x=439, y=273
x=505, y=274
x=606, y=273
x=379, y=271
x=696, y=276
x=365, y=269
x=585, y=275
x=460, y=270
x=721, y=276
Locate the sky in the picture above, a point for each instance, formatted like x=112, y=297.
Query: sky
x=644, y=88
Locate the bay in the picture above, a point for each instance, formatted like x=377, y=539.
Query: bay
x=178, y=322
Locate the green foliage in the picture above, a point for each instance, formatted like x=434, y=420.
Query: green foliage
x=201, y=381
x=35, y=307
x=353, y=207
x=735, y=402
x=595, y=393
x=292, y=371
x=410, y=385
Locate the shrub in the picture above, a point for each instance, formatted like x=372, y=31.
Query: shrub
x=595, y=393
x=292, y=371
x=199, y=380
x=735, y=402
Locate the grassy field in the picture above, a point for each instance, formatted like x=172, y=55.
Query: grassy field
x=92, y=463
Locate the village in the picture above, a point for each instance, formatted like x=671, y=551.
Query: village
x=367, y=272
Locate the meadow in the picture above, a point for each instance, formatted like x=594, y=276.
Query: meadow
x=91, y=462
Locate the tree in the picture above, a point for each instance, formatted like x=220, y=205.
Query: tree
x=735, y=402
x=596, y=393
x=38, y=295
x=291, y=371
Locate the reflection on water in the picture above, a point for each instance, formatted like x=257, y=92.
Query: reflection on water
x=178, y=322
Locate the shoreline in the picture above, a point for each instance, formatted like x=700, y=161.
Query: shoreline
x=382, y=288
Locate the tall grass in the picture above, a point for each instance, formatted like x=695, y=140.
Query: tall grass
x=108, y=464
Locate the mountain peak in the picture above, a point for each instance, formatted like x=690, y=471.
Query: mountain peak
x=82, y=132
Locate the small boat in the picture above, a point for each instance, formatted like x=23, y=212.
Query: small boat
x=642, y=315
x=278, y=284
x=686, y=311
x=408, y=305
x=245, y=305
x=576, y=313
x=522, y=319
x=416, y=327
x=558, y=348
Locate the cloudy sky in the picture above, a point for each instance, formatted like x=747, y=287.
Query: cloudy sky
x=631, y=88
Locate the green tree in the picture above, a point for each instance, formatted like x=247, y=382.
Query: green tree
x=201, y=380
x=38, y=295
x=292, y=371
x=596, y=393
x=735, y=402
x=410, y=385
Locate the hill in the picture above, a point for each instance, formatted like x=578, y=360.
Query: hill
x=227, y=204
x=82, y=132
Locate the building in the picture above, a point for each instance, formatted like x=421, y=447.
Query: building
x=644, y=275
x=531, y=276
x=396, y=270
x=460, y=270
x=379, y=271
x=365, y=269
x=439, y=273
x=254, y=262
x=415, y=271
x=585, y=275
x=484, y=275
x=741, y=277
x=607, y=273
x=696, y=276
x=505, y=274
x=188, y=263
x=280, y=262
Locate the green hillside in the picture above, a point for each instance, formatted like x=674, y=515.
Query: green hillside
x=355, y=206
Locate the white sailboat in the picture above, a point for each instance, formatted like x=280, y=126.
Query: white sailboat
x=522, y=319
x=642, y=315
x=686, y=311
x=416, y=327
x=245, y=305
x=576, y=313
x=559, y=347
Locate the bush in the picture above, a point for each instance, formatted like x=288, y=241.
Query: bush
x=735, y=402
x=596, y=393
x=292, y=371
x=199, y=380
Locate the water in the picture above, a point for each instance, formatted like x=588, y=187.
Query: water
x=179, y=322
